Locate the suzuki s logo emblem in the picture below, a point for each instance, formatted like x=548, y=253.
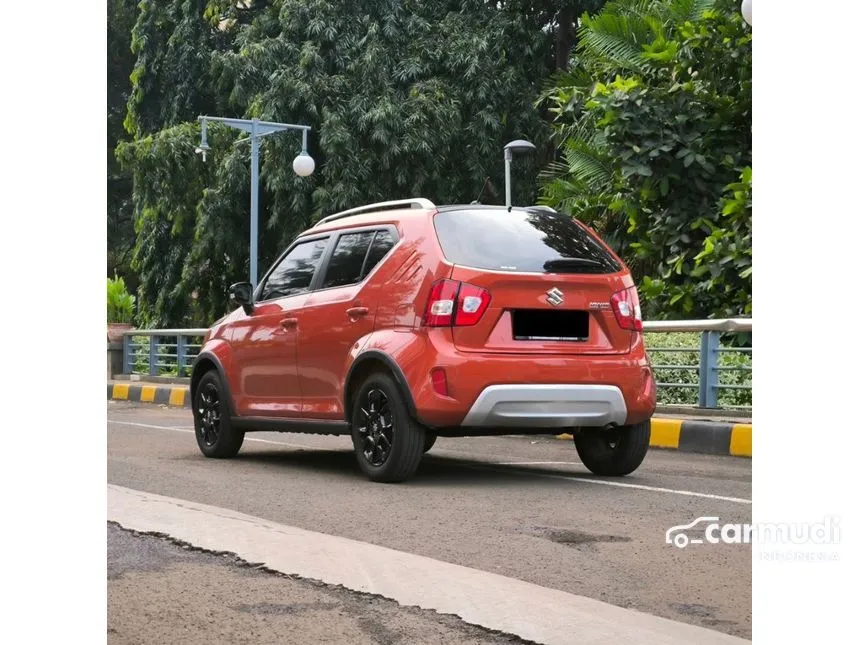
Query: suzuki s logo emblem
x=554, y=296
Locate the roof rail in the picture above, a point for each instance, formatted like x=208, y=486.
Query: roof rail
x=416, y=202
x=541, y=207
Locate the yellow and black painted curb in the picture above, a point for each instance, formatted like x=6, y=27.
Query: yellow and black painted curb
x=685, y=435
x=176, y=395
x=694, y=435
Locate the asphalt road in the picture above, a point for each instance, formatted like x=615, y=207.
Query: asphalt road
x=520, y=507
x=160, y=592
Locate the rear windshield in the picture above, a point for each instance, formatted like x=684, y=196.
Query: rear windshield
x=521, y=241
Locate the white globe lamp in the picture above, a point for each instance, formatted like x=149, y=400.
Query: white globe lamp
x=303, y=164
x=746, y=11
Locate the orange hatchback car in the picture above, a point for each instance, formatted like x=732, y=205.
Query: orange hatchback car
x=400, y=322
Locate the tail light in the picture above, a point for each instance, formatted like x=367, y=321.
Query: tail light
x=628, y=313
x=472, y=302
x=455, y=303
x=440, y=307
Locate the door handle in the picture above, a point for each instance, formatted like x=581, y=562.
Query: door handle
x=353, y=312
x=289, y=323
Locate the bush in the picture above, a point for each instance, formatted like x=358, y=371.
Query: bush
x=655, y=149
x=120, y=303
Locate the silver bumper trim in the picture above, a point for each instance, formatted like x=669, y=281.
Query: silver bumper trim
x=547, y=406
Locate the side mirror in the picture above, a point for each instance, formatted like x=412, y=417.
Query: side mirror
x=242, y=293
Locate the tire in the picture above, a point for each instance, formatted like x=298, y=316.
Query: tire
x=388, y=443
x=216, y=436
x=613, y=451
x=429, y=440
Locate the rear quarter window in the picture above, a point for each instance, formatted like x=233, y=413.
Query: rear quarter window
x=521, y=241
x=347, y=260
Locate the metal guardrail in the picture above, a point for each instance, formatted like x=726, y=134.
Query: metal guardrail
x=172, y=351
x=165, y=352
x=711, y=360
x=723, y=325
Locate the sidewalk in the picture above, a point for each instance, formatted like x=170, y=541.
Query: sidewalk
x=709, y=432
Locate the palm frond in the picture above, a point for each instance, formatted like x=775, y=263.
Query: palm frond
x=617, y=38
x=640, y=8
x=587, y=167
x=683, y=10
x=583, y=175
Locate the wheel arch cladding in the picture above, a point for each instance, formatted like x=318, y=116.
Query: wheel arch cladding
x=367, y=363
x=204, y=363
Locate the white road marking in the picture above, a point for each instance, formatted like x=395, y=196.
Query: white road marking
x=539, y=463
x=150, y=425
x=490, y=466
x=604, y=482
x=187, y=429
x=496, y=602
x=656, y=489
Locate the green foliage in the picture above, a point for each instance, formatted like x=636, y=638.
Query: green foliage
x=169, y=183
x=557, y=19
x=171, y=82
x=404, y=99
x=120, y=303
x=120, y=228
x=653, y=122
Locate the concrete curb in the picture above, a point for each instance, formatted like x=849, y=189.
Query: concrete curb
x=684, y=435
x=175, y=395
x=700, y=436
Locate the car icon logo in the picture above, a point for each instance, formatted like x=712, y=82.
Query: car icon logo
x=554, y=296
x=680, y=539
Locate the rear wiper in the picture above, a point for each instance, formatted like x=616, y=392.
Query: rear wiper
x=560, y=264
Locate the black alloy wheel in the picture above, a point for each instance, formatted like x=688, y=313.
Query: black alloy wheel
x=209, y=412
x=388, y=442
x=216, y=436
x=377, y=430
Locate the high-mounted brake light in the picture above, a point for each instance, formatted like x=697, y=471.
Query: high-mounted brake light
x=454, y=303
x=628, y=313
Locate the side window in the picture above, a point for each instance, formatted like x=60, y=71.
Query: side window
x=294, y=272
x=382, y=244
x=346, y=261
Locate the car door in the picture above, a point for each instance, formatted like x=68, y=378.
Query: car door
x=264, y=342
x=337, y=315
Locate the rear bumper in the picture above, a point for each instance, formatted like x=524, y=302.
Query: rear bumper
x=525, y=391
x=547, y=406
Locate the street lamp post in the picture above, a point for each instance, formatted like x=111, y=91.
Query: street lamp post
x=519, y=145
x=303, y=164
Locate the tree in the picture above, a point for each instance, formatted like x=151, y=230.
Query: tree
x=120, y=229
x=653, y=121
x=171, y=83
x=405, y=99
x=559, y=19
